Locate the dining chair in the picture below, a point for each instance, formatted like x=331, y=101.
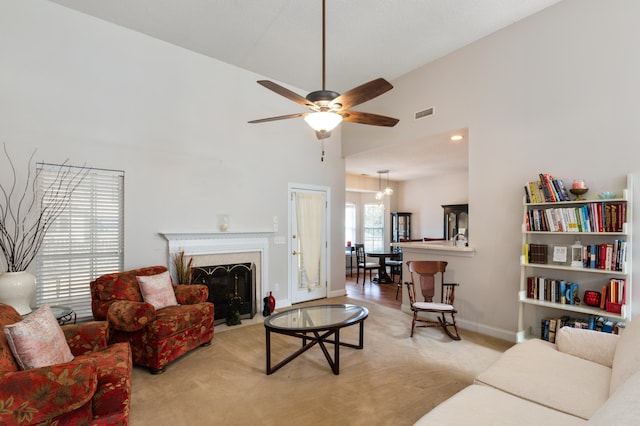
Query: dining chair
x=348, y=251
x=395, y=267
x=425, y=271
x=363, y=265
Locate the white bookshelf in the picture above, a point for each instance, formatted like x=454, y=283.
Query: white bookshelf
x=532, y=310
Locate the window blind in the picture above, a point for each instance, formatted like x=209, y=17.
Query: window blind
x=84, y=242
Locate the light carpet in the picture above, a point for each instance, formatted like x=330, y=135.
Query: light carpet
x=394, y=380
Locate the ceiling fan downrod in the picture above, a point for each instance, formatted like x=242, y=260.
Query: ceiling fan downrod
x=323, y=46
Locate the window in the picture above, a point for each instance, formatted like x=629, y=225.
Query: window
x=350, y=223
x=85, y=241
x=373, y=227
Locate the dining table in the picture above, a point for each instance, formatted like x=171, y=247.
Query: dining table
x=382, y=277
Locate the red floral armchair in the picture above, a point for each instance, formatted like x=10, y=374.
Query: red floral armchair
x=94, y=388
x=157, y=336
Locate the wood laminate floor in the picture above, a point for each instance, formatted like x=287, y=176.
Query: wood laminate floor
x=383, y=294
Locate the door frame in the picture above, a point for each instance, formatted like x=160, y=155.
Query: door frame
x=326, y=267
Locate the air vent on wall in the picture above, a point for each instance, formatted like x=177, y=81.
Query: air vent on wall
x=424, y=113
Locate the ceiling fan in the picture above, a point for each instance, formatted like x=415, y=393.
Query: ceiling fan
x=328, y=108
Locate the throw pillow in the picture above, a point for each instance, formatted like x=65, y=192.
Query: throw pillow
x=157, y=290
x=38, y=340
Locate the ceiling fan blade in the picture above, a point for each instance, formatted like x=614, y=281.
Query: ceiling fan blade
x=363, y=93
x=282, y=91
x=367, y=118
x=280, y=117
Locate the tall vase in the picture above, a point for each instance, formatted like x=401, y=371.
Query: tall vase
x=272, y=303
x=17, y=289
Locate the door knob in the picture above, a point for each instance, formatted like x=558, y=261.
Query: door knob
x=294, y=252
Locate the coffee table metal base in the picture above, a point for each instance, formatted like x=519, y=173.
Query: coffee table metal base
x=317, y=338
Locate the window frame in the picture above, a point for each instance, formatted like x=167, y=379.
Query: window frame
x=350, y=215
x=373, y=232
x=85, y=241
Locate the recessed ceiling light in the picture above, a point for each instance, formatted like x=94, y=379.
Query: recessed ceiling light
x=456, y=138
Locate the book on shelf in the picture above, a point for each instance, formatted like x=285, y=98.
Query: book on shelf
x=544, y=329
x=615, y=295
x=606, y=256
x=550, y=326
x=591, y=217
x=533, y=192
x=554, y=290
x=550, y=195
x=538, y=253
x=606, y=325
x=529, y=197
x=563, y=190
x=573, y=294
x=563, y=292
x=551, y=190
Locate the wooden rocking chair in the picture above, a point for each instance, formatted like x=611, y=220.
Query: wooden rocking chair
x=426, y=271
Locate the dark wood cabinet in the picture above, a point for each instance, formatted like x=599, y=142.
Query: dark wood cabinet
x=456, y=220
x=400, y=226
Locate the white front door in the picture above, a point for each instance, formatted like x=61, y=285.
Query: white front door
x=307, y=243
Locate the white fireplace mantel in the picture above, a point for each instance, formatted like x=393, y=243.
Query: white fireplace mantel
x=196, y=243
x=223, y=243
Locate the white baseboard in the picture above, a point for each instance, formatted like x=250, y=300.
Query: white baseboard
x=337, y=293
x=509, y=336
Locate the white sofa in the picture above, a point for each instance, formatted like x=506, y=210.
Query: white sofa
x=586, y=377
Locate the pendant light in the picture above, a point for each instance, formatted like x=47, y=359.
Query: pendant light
x=388, y=190
x=380, y=193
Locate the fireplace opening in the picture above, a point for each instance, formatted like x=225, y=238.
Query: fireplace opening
x=229, y=285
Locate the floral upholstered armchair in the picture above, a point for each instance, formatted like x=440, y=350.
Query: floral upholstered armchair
x=94, y=388
x=159, y=328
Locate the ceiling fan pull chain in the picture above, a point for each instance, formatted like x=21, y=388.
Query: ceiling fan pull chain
x=322, y=156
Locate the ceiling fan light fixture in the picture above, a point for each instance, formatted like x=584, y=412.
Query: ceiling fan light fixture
x=323, y=120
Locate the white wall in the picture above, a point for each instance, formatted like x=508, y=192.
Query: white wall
x=424, y=198
x=75, y=87
x=558, y=93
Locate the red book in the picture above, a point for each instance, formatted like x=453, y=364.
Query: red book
x=602, y=252
x=622, y=216
x=530, y=287
x=601, y=217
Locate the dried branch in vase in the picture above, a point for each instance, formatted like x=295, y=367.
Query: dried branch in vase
x=27, y=214
x=183, y=267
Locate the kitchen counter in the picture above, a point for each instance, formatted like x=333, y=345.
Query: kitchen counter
x=436, y=247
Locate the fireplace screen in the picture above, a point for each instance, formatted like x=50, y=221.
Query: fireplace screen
x=229, y=285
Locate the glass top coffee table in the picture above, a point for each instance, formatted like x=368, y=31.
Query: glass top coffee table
x=315, y=325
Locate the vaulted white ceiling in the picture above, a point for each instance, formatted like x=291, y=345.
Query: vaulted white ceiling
x=281, y=39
